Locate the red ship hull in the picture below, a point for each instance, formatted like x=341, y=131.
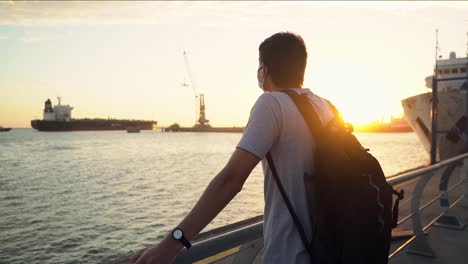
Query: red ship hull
x=92, y=125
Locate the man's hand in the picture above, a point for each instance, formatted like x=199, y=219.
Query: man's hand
x=163, y=253
x=152, y=255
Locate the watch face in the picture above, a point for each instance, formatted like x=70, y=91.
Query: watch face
x=177, y=234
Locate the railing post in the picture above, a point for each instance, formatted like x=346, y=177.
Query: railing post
x=419, y=246
x=464, y=183
x=448, y=219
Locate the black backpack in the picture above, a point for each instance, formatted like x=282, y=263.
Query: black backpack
x=349, y=198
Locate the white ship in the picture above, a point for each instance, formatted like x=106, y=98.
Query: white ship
x=451, y=108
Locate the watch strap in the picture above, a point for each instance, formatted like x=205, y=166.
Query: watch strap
x=184, y=241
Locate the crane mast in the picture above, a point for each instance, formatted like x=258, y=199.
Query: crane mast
x=200, y=118
x=202, y=121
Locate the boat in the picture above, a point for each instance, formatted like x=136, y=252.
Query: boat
x=5, y=129
x=451, y=80
x=58, y=118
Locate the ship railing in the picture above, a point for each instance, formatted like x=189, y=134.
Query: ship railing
x=245, y=244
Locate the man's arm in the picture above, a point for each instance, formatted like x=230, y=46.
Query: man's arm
x=221, y=190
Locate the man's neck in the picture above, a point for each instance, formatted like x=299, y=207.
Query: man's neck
x=270, y=86
x=278, y=89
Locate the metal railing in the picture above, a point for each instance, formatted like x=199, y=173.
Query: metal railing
x=244, y=245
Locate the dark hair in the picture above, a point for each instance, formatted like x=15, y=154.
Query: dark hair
x=285, y=56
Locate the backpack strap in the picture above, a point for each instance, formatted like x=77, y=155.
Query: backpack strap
x=307, y=111
x=314, y=124
x=333, y=107
x=296, y=221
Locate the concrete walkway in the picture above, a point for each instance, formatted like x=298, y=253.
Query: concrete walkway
x=449, y=246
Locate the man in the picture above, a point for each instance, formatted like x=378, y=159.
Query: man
x=276, y=126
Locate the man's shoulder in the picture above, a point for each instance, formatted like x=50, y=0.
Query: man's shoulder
x=266, y=98
x=267, y=101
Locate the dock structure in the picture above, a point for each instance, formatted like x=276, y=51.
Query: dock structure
x=431, y=225
x=206, y=129
x=202, y=128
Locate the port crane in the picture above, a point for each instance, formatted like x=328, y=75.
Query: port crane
x=200, y=118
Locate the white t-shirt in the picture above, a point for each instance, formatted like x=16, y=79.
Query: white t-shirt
x=276, y=126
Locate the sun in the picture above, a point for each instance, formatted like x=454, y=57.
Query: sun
x=361, y=93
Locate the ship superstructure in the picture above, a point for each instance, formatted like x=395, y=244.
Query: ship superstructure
x=57, y=113
x=451, y=78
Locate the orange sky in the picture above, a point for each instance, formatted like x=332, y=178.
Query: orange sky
x=124, y=59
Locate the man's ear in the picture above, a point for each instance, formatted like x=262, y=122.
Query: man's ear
x=265, y=70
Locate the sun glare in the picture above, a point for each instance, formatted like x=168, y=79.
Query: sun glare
x=362, y=114
x=361, y=93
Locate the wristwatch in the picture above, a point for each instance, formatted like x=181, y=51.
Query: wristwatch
x=178, y=234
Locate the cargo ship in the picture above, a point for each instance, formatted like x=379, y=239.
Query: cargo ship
x=58, y=118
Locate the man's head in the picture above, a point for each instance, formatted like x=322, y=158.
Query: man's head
x=283, y=58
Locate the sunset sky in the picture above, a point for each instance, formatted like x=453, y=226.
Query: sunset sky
x=124, y=59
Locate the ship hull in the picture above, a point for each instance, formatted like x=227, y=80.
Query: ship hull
x=91, y=125
x=451, y=117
